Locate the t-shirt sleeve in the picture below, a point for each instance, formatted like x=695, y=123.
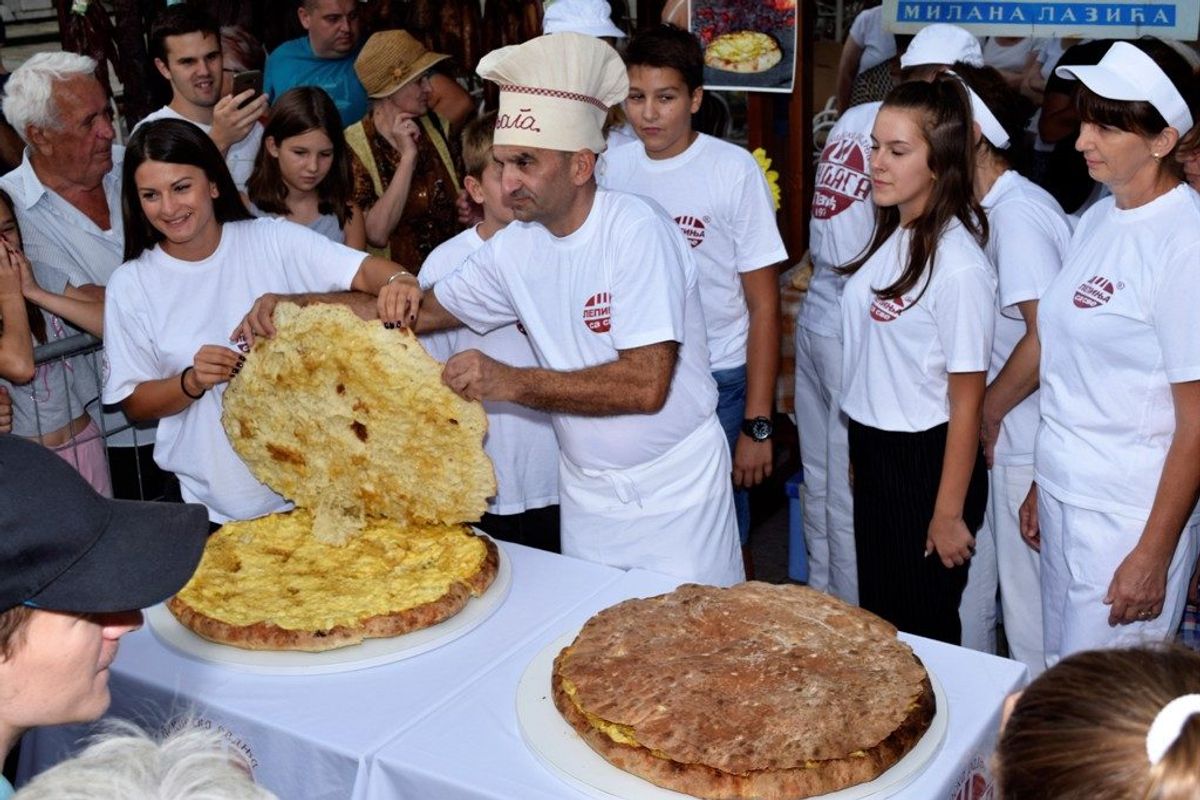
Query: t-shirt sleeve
x=475, y=293
x=313, y=263
x=650, y=269
x=756, y=236
x=964, y=312
x=1175, y=316
x=858, y=28
x=128, y=341
x=1027, y=255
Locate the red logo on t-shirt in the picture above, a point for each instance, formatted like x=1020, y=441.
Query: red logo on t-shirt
x=693, y=229
x=1096, y=292
x=883, y=310
x=595, y=312
x=842, y=178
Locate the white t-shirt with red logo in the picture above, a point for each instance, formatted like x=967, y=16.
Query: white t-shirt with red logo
x=159, y=310
x=1118, y=327
x=843, y=216
x=624, y=279
x=719, y=198
x=897, y=354
x=1028, y=237
x=520, y=441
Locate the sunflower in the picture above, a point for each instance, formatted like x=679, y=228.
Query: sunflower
x=764, y=163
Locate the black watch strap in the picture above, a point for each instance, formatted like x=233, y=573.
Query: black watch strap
x=759, y=429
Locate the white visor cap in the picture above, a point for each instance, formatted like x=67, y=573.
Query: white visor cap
x=1126, y=73
x=941, y=43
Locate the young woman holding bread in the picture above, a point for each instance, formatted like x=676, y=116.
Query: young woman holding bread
x=176, y=326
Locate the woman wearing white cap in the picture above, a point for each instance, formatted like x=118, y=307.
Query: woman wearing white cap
x=1117, y=465
x=1028, y=235
x=917, y=332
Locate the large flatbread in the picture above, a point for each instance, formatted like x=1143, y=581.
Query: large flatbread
x=755, y=691
x=352, y=421
x=267, y=584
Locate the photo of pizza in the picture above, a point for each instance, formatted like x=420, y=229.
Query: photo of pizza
x=743, y=51
x=755, y=691
x=748, y=44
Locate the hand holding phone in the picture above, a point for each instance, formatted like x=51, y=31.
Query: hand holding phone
x=245, y=80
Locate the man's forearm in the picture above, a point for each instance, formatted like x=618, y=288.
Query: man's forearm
x=629, y=385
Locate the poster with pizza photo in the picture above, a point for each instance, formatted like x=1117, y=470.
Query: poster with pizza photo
x=749, y=45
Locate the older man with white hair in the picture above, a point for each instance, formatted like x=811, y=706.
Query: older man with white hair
x=605, y=288
x=67, y=196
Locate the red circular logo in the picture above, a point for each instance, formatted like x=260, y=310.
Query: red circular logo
x=884, y=310
x=1095, y=292
x=595, y=312
x=693, y=229
x=842, y=178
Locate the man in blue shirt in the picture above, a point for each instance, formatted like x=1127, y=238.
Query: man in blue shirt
x=324, y=58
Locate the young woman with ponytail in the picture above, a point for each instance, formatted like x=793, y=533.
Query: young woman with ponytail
x=917, y=319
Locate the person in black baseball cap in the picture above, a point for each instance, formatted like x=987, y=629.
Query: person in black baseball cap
x=75, y=570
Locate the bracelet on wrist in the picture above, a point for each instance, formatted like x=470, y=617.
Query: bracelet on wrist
x=397, y=275
x=183, y=384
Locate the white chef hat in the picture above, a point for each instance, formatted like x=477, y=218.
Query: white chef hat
x=555, y=91
x=1126, y=73
x=941, y=43
x=589, y=17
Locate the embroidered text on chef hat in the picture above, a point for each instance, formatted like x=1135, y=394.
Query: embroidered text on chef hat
x=1126, y=73
x=555, y=91
x=589, y=17
x=941, y=43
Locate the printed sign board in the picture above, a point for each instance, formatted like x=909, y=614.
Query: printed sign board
x=1044, y=19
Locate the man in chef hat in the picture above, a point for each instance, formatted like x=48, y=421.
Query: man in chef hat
x=605, y=287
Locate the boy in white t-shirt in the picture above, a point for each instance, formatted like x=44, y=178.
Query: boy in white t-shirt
x=520, y=441
x=718, y=196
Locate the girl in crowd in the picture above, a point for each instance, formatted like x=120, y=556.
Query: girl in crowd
x=46, y=405
x=1028, y=235
x=302, y=172
x=1118, y=450
x=1105, y=724
x=917, y=327
x=195, y=261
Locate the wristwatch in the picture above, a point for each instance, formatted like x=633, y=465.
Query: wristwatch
x=759, y=429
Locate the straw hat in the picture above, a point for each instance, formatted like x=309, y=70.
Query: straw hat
x=390, y=60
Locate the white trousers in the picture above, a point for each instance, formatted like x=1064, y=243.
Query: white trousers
x=672, y=515
x=1003, y=561
x=1081, y=549
x=825, y=457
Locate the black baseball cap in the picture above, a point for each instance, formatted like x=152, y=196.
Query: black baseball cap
x=63, y=547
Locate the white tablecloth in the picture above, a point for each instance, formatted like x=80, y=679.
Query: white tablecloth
x=311, y=737
x=472, y=749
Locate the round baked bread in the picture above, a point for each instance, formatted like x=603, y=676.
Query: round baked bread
x=352, y=421
x=755, y=691
x=743, y=51
x=267, y=584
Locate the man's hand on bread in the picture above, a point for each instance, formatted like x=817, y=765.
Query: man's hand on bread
x=214, y=364
x=474, y=376
x=257, y=322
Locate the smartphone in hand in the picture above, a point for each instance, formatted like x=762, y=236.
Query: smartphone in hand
x=248, y=79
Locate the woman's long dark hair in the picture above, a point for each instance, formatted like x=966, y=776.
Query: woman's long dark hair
x=1010, y=108
x=37, y=323
x=173, y=141
x=945, y=112
x=299, y=111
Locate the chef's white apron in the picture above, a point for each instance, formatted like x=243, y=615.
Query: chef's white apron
x=672, y=515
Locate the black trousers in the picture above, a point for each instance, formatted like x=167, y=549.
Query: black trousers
x=896, y=478
x=534, y=527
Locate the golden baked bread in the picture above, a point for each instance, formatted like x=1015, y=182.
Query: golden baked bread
x=267, y=584
x=352, y=421
x=755, y=691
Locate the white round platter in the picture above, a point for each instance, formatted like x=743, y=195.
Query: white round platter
x=369, y=653
x=568, y=756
